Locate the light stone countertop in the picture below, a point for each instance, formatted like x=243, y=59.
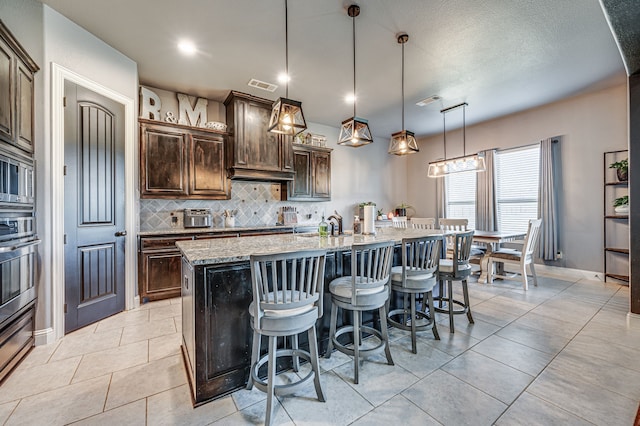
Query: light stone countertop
x=189, y=231
x=228, y=250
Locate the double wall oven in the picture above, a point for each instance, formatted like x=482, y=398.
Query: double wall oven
x=18, y=251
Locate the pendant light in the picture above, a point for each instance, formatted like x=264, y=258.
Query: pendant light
x=404, y=141
x=354, y=131
x=466, y=163
x=286, y=114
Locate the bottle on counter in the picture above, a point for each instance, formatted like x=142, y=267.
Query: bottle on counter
x=323, y=228
x=357, y=226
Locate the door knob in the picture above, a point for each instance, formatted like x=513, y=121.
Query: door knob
x=121, y=233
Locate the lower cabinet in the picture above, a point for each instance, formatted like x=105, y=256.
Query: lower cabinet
x=16, y=339
x=159, y=265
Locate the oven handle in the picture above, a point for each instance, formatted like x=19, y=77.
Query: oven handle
x=19, y=246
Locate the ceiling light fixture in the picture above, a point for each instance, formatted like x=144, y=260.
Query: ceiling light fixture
x=404, y=141
x=466, y=163
x=354, y=131
x=187, y=47
x=286, y=114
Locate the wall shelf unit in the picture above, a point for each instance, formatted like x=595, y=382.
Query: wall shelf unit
x=616, y=226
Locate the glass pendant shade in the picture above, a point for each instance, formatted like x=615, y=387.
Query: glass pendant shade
x=468, y=163
x=286, y=114
x=403, y=143
x=287, y=117
x=355, y=132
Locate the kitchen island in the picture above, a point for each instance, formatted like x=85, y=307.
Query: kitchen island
x=216, y=293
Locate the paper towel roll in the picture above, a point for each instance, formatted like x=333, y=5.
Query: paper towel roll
x=369, y=222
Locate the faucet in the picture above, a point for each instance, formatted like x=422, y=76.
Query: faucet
x=336, y=216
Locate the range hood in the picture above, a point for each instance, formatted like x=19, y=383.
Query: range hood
x=239, y=173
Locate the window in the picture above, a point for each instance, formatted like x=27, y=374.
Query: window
x=517, y=187
x=461, y=197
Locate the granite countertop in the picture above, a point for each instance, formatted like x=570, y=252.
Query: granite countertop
x=189, y=231
x=226, y=250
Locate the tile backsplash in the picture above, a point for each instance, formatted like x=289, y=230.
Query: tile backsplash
x=257, y=204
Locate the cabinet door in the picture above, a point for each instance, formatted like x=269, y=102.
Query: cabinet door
x=207, y=172
x=300, y=187
x=262, y=148
x=286, y=144
x=7, y=105
x=162, y=162
x=24, y=110
x=321, y=166
x=161, y=275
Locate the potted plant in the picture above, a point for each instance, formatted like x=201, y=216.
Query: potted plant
x=381, y=215
x=621, y=204
x=622, y=169
x=361, y=208
x=401, y=210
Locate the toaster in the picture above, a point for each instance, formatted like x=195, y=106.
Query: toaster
x=197, y=218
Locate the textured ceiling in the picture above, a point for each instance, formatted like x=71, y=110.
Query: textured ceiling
x=624, y=18
x=498, y=56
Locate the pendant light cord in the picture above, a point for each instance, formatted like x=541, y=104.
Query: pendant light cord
x=444, y=133
x=353, y=20
x=286, y=44
x=403, y=85
x=464, y=132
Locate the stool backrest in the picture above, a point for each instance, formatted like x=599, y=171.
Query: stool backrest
x=370, y=266
x=287, y=281
x=423, y=222
x=462, y=251
x=399, y=222
x=420, y=255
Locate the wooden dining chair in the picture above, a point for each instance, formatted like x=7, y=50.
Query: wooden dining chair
x=399, y=222
x=423, y=222
x=522, y=258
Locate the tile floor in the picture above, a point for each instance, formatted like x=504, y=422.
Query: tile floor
x=562, y=353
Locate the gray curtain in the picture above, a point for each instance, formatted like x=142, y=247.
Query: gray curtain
x=441, y=197
x=547, y=202
x=486, y=201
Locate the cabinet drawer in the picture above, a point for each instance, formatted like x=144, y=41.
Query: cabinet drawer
x=161, y=242
x=15, y=341
x=217, y=235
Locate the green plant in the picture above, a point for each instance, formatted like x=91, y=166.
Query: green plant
x=622, y=201
x=368, y=203
x=404, y=205
x=622, y=165
x=380, y=212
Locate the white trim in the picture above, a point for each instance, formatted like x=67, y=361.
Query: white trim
x=44, y=336
x=632, y=317
x=562, y=272
x=59, y=75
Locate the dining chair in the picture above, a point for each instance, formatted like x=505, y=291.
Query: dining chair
x=417, y=275
x=423, y=222
x=456, y=269
x=522, y=258
x=287, y=300
x=366, y=288
x=399, y=222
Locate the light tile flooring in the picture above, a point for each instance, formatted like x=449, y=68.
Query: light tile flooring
x=562, y=353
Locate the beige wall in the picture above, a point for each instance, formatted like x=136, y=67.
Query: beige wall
x=587, y=124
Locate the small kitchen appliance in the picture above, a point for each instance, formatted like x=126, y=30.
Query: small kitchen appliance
x=197, y=218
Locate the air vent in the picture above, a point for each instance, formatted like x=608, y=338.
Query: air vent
x=428, y=100
x=262, y=85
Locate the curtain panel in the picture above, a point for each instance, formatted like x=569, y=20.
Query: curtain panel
x=547, y=202
x=486, y=200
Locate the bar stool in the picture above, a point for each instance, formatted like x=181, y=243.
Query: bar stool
x=365, y=289
x=456, y=269
x=287, y=300
x=417, y=275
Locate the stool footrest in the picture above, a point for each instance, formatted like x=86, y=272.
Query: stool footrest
x=464, y=309
x=407, y=312
x=286, y=388
x=363, y=352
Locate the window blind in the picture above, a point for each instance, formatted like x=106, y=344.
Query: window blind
x=461, y=197
x=517, y=187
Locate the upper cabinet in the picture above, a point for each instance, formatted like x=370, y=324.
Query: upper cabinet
x=182, y=162
x=16, y=86
x=255, y=153
x=312, y=179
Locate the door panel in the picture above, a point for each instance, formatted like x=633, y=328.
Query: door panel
x=24, y=125
x=94, y=207
x=6, y=88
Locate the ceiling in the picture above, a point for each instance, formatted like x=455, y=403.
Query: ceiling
x=498, y=56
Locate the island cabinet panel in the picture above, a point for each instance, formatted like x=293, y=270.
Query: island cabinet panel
x=159, y=268
x=17, y=71
x=312, y=179
x=254, y=152
x=182, y=162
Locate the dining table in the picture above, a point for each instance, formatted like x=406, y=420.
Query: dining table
x=492, y=240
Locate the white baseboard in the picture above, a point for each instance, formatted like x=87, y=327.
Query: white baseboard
x=136, y=303
x=568, y=273
x=44, y=336
x=632, y=317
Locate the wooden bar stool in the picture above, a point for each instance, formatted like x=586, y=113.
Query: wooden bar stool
x=456, y=269
x=417, y=275
x=365, y=289
x=287, y=300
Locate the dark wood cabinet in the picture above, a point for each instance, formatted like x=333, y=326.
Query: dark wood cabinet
x=17, y=71
x=159, y=268
x=182, y=162
x=312, y=179
x=254, y=152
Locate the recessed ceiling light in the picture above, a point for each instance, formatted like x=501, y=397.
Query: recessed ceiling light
x=428, y=100
x=350, y=98
x=187, y=47
x=283, y=78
